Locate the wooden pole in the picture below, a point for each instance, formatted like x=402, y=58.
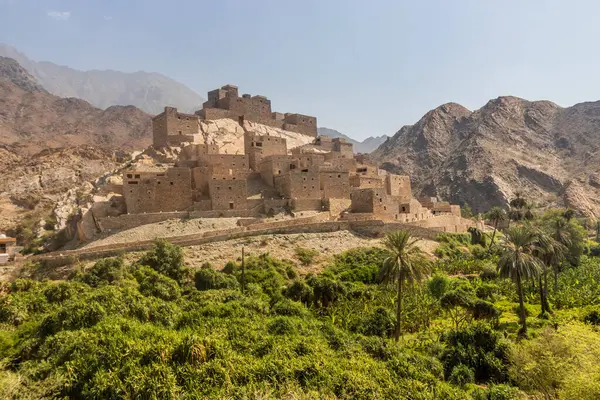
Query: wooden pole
x=243, y=272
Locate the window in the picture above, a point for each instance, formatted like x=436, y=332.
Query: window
x=129, y=176
x=171, y=183
x=339, y=176
x=180, y=132
x=132, y=182
x=229, y=187
x=137, y=176
x=231, y=205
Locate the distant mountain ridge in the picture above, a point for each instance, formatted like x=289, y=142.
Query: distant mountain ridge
x=31, y=119
x=548, y=153
x=366, y=146
x=149, y=92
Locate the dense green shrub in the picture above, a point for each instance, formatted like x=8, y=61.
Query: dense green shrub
x=207, y=278
x=167, y=259
x=104, y=272
x=154, y=284
x=380, y=323
x=288, y=308
x=478, y=347
x=299, y=290
x=461, y=375
x=305, y=256
x=359, y=265
x=326, y=290
x=592, y=317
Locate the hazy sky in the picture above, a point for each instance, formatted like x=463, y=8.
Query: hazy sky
x=362, y=67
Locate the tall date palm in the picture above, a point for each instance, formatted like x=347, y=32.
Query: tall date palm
x=406, y=263
x=518, y=262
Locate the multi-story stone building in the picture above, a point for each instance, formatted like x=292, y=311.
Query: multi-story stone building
x=172, y=127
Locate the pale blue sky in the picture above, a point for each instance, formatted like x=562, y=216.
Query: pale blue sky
x=362, y=67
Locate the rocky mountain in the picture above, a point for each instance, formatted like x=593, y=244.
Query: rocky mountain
x=32, y=119
x=366, y=146
x=548, y=153
x=148, y=91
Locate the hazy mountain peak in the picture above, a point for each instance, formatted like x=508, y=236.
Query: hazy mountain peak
x=148, y=91
x=15, y=73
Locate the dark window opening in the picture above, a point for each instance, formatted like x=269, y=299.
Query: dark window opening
x=171, y=183
x=132, y=182
x=231, y=205
x=137, y=176
x=129, y=176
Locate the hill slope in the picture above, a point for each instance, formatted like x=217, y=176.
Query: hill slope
x=147, y=91
x=32, y=119
x=484, y=157
x=366, y=146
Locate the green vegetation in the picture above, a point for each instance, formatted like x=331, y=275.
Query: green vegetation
x=477, y=323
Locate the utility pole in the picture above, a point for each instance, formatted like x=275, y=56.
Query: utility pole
x=243, y=272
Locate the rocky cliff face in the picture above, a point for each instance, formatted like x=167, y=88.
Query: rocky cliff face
x=148, y=91
x=484, y=157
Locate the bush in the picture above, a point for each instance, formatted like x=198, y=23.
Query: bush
x=592, y=317
x=305, y=256
x=478, y=347
x=326, y=290
x=288, y=308
x=503, y=392
x=359, y=265
x=154, y=284
x=207, y=278
x=488, y=273
x=167, y=259
x=381, y=323
x=461, y=375
x=299, y=290
x=438, y=286
x=281, y=326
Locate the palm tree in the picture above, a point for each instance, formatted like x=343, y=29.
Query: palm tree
x=518, y=262
x=551, y=253
x=560, y=232
x=495, y=215
x=405, y=263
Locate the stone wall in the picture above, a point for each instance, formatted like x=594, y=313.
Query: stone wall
x=335, y=184
x=128, y=221
x=307, y=205
x=170, y=190
x=299, y=184
x=228, y=194
x=399, y=186
x=365, y=182
x=337, y=206
x=172, y=127
x=258, y=147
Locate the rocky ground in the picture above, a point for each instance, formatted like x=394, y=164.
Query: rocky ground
x=284, y=246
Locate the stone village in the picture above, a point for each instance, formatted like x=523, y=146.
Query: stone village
x=267, y=177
